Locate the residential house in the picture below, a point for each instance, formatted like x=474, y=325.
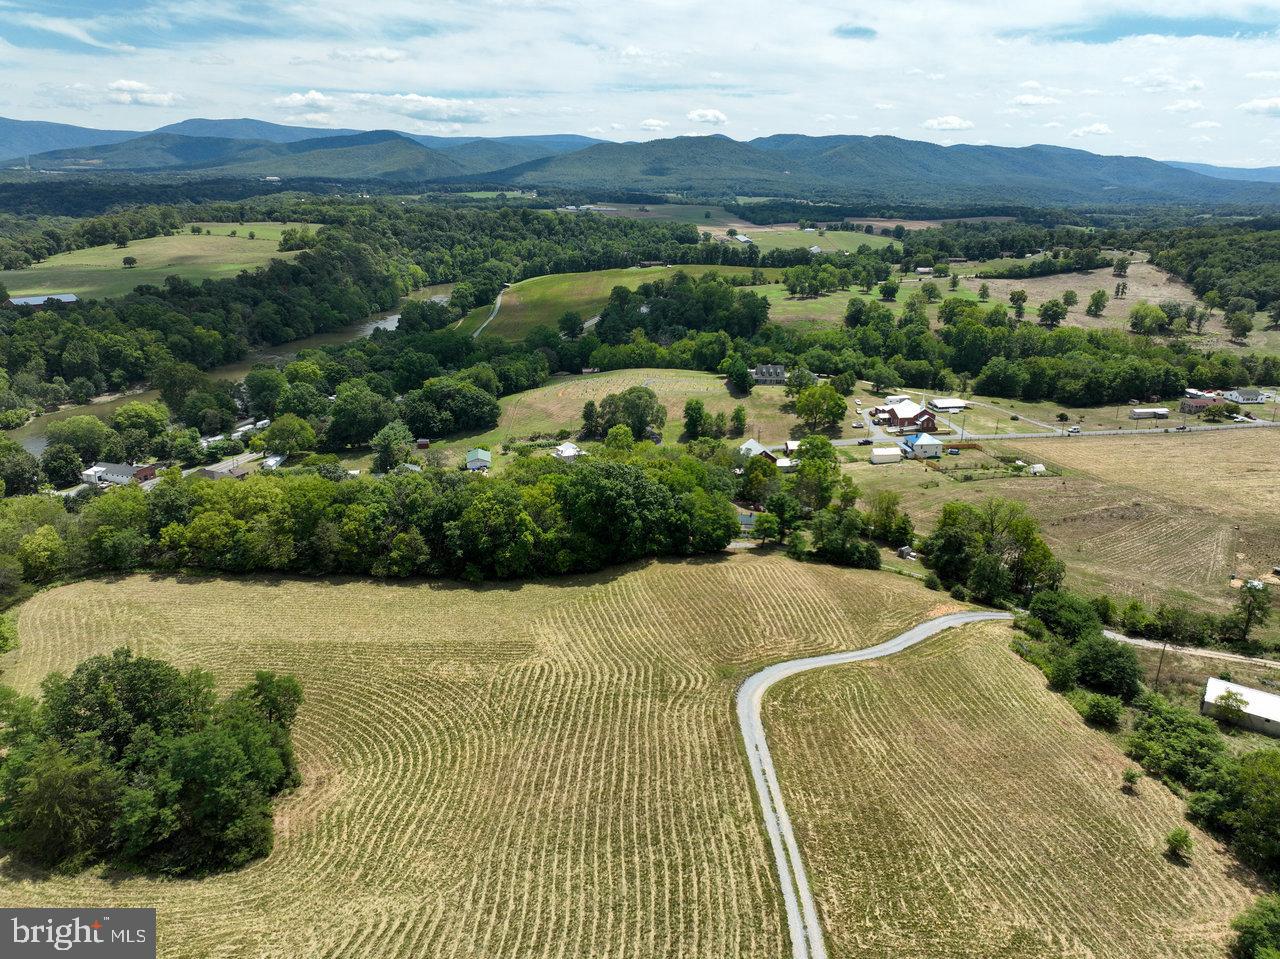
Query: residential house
x=769, y=374
x=752, y=448
x=1244, y=395
x=1197, y=404
x=815, y=249
x=922, y=446
x=1258, y=710
x=479, y=459
x=118, y=474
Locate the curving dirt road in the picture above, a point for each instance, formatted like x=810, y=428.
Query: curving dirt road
x=807, y=941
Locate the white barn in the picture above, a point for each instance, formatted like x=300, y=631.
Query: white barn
x=1260, y=710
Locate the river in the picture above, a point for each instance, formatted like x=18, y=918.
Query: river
x=33, y=435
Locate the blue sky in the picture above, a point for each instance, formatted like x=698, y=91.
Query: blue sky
x=1172, y=80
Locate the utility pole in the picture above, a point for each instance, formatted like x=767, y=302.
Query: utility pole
x=1164, y=647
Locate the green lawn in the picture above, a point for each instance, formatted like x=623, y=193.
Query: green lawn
x=98, y=271
x=544, y=299
x=831, y=241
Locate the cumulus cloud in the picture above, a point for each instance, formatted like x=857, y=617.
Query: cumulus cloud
x=654, y=125
x=370, y=55
x=948, y=122
x=1205, y=125
x=311, y=119
x=1262, y=106
x=883, y=105
x=142, y=94
x=1092, y=130
x=1184, y=106
x=1161, y=81
x=419, y=107
x=1034, y=100
x=1263, y=75
x=705, y=115
x=311, y=100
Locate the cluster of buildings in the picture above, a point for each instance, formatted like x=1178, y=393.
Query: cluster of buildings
x=118, y=474
x=1197, y=401
x=904, y=415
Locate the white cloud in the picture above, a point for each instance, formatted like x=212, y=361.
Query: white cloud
x=1034, y=100
x=705, y=115
x=1161, y=81
x=1184, y=106
x=654, y=125
x=1052, y=125
x=1092, y=130
x=949, y=122
x=370, y=55
x=1205, y=125
x=1263, y=75
x=1030, y=84
x=884, y=105
x=1262, y=106
x=311, y=100
x=141, y=94
x=312, y=119
x=418, y=107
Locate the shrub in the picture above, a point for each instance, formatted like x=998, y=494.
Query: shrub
x=1258, y=929
x=1179, y=843
x=1104, y=711
x=1070, y=616
x=932, y=581
x=1108, y=666
x=960, y=592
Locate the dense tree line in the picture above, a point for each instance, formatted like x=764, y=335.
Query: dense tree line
x=1229, y=262
x=130, y=761
x=540, y=517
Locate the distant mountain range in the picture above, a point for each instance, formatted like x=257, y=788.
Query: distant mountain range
x=878, y=168
x=1260, y=174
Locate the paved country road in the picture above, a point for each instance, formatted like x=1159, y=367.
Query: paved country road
x=807, y=941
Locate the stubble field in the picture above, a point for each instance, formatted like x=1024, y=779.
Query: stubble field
x=515, y=770
x=951, y=806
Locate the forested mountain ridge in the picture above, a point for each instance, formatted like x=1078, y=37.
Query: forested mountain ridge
x=881, y=167
x=868, y=168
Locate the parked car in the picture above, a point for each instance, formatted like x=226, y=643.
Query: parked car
x=1181, y=428
x=1073, y=429
x=864, y=442
x=953, y=452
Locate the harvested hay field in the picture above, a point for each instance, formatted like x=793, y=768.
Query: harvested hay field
x=547, y=769
x=1170, y=516
x=950, y=805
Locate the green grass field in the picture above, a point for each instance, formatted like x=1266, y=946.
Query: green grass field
x=832, y=241
x=558, y=404
x=541, y=301
x=98, y=272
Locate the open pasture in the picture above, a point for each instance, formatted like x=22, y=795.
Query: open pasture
x=98, y=271
x=558, y=405
x=950, y=805
x=1157, y=517
x=536, y=770
x=542, y=300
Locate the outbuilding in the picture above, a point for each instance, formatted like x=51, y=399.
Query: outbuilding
x=948, y=404
x=118, y=474
x=1149, y=413
x=568, y=452
x=886, y=454
x=479, y=459
x=40, y=299
x=1258, y=710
